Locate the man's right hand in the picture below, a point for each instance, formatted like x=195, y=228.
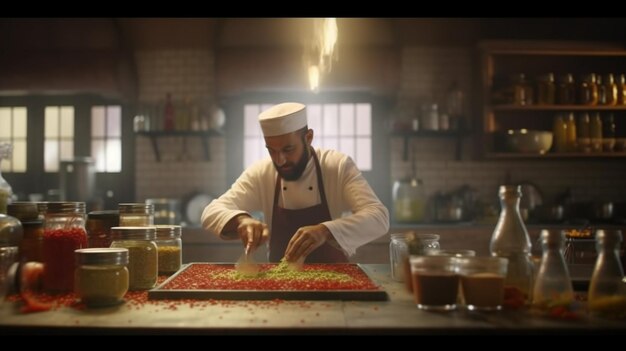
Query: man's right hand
x=252, y=232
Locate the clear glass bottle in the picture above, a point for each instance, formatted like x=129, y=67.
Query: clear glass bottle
x=409, y=200
x=553, y=286
x=64, y=232
x=142, y=254
x=572, y=145
x=595, y=132
x=170, y=248
x=398, y=253
x=101, y=276
x=6, y=192
x=99, y=224
x=510, y=240
x=607, y=292
x=136, y=214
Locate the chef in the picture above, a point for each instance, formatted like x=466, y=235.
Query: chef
x=320, y=206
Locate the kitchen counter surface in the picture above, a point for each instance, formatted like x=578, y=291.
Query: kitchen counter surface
x=398, y=315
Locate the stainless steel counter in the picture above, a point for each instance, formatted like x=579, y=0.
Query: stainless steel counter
x=398, y=315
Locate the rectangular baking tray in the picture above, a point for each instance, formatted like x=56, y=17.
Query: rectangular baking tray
x=159, y=293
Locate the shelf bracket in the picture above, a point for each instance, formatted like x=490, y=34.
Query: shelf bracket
x=405, y=148
x=155, y=147
x=206, y=148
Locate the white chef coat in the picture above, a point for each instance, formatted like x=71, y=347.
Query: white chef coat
x=346, y=191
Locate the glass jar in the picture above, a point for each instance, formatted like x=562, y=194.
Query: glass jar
x=31, y=247
x=142, y=254
x=607, y=291
x=567, y=90
x=510, y=240
x=136, y=214
x=409, y=200
x=101, y=276
x=11, y=231
x=522, y=90
x=170, y=248
x=418, y=245
x=64, y=232
x=398, y=256
x=546, y=90
x=99, y=224
x=588, y=92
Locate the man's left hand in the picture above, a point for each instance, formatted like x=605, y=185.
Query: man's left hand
x=305, y=241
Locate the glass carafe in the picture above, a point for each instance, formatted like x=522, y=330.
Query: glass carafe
x=607, y=291
x=6, y=192
x=553, y=286
x=409, y=200
x=510, y=240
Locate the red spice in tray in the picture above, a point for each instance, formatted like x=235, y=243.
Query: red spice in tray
x=312, y=277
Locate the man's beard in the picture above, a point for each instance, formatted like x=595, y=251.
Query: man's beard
x=295, y=170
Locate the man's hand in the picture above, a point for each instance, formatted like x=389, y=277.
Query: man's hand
x=252, y=232
x=305, y=241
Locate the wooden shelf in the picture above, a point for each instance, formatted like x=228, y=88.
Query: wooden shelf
x=446, y=134
x=204, y=135
x=553, y=155
x=558, y=108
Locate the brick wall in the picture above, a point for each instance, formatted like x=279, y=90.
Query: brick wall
x=184, y=74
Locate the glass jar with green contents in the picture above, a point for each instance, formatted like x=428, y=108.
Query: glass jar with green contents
x=169, y=248
x=142, y=254
x=101, y=277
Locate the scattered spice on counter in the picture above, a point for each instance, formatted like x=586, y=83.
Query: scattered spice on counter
x=273, y=277
x=611, y=307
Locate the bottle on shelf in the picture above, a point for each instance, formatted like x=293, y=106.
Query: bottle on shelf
x=546, y=90
x=553, y=286
x=567, y=90
x=610, y=90
x=455, y=105
x=522, y=91
x=607, y=293
x=608, y=133
x=588, y=92
x=621, y=90
x=510, y=240
x=560, y=133
x=595, y=132
x=582, y=132
x=571, y=133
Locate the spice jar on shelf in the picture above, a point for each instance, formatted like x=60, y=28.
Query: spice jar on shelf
x=169, y=248
x=136, y=214
x=101, y=276
x=546, y=90
x=523, y=93
x=566, y=94
x=142, y=254
x=64, y=232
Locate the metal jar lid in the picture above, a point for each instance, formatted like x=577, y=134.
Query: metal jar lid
x=136, y=208
x=133, y=233
x=65, y=207
x=168, y=231
x=23, y=210
x=101, y=256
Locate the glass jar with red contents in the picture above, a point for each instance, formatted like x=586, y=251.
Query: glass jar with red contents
x=64, y=232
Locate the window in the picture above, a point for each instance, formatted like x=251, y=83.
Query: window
x=58, y=136
x=13, y=129
x=346, y=127
x=106, y=138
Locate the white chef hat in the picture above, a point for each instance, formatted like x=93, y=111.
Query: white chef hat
x=283, y=118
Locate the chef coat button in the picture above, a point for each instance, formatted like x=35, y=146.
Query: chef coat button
x=310, y=188
x=284, y=188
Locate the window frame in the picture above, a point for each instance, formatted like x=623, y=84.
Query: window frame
x=36, y=180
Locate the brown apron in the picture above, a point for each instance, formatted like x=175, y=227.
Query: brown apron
x=286, y=222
